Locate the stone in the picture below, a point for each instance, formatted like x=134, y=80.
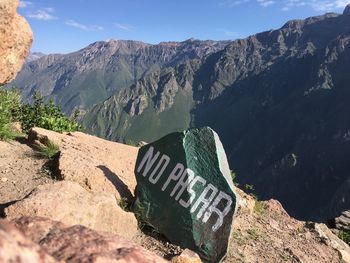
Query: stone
x=347, y=10
x=187, y=256
x=326, y=235
x=342, y=222
x=16, y=39
x=71, y=204
x=185, y=191
x=104, y=166
x=81, y=244
x=15, y=247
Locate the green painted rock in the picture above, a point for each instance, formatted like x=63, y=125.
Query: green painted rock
x=185, y=191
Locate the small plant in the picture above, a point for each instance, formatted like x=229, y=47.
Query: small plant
x=48, y=150
x=249, y=187
x=234, y=178
x=123, y=203
x=259, y=207
x=254, y=233
x=345, y=236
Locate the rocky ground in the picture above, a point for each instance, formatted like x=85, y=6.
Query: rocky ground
x=76, y=211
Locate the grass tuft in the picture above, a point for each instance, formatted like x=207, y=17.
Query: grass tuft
x=48, y=150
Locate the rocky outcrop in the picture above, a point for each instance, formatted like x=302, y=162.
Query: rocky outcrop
x=16, y=39
x=342, y=222
x=15, y=247
x=56, y=242
x=96, y=164
x=71, y=204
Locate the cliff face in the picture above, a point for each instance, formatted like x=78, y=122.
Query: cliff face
x=16, y=39
x=279, y=101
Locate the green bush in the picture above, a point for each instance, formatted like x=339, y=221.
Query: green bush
x=37, y=114
x=10, y=108
x=47, y=116
x=345, y=236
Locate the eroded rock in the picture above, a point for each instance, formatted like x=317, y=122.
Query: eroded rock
x=96, y=164
x=15, y=247
x=81, y=244
x=16, y=39
x=71, y=204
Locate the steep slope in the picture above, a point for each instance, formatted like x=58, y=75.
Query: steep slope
x=90, y=75
x=279, y=101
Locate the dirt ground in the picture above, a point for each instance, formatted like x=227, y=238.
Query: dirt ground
x=20, y=172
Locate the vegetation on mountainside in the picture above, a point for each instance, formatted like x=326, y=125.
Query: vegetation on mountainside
x=38, y=114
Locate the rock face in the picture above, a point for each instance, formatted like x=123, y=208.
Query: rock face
x=104, y=166
x=15, y=247
x=71, y=79
x=185, y=190
x=70, y=204
x=16, y=39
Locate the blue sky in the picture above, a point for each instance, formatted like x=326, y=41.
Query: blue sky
x=62, y=26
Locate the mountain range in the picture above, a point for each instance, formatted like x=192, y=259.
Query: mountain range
x=278, y=99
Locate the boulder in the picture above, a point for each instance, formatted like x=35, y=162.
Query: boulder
x=96, y=164
x=15, y=247
x=71, y=204
x=185, y=191
x=342, y=222
x=16, y=39
x=81, y=244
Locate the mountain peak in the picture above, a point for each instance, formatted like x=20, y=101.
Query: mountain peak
x=347, y=10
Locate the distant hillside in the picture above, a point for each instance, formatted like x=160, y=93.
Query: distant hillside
x=278, y=99
x=92, y=74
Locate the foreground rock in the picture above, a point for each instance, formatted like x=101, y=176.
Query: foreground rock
x=71, y=204
x=187, y=256
x=15, y=247
x=185, y=191
x=94, y=163
x=16, y=39
x=65, y=244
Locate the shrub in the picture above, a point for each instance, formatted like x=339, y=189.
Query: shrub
x=47, y=116
x=345, y=236
x=10, y=108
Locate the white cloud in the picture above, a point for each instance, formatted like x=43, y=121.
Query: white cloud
x=286, y=5
x=232, y=3
x=317, y=5
x=43, y=14
x=124, y=27
x=265, y=3
x=87, y=28
x=24, y=4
